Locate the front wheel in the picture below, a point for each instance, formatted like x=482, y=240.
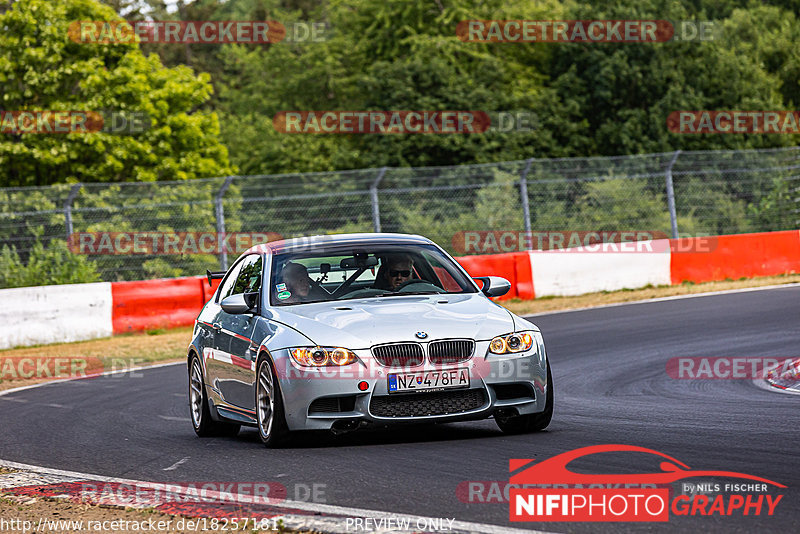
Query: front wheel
x=520, y=424
x=272, y=428
x=203, y=425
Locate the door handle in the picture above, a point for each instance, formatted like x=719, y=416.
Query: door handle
x=216, y=326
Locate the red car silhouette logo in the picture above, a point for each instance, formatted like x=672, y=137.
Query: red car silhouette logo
x=554, y=470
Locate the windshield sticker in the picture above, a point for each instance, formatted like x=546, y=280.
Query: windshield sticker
x=281, y=287
x=283, y=295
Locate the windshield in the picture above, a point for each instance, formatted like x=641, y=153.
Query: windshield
x=363, y=271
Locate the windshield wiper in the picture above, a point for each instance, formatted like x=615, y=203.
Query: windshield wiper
x=303, y=302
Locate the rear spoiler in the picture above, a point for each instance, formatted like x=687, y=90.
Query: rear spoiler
x=214, y=276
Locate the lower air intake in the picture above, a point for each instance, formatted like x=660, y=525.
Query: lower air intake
x=426, y=404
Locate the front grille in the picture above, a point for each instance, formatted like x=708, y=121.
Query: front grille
x=332, y=405
x=423, y=404
x=399, y=355
x=450, y=351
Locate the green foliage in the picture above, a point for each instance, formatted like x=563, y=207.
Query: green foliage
x=774, y=209
x=54, y=264
x=493, y=207
x=596, y=99
x=627, y=91
x=612, y=204
x=589, y=99
x=41, y=68
x=601, y=99
x=391, y=55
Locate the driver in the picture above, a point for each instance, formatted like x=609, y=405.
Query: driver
x=297, y=281
x=399, y=268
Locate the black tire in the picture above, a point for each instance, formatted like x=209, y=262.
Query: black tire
x=199, y=412
x=277, y=433
x=521, y=424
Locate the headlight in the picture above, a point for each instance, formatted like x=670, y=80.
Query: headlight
x=322, y=356
x=511, y=343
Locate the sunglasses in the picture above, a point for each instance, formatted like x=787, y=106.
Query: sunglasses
x=394, y=274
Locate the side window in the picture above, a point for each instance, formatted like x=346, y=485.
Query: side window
x=227, y=284
x=249, y=279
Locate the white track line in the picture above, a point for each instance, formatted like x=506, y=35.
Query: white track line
x=173, y=418
x=335, y=525
x=662, y=299
x=177, y=464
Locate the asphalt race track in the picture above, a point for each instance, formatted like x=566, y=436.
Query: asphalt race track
x=611, y=387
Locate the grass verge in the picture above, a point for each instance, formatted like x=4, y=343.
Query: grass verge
x=114, y=353
x=50, y=512
x=546, y=304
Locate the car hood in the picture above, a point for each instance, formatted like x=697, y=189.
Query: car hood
x=362, y=323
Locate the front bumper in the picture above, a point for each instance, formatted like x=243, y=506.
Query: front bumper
x=315, y=399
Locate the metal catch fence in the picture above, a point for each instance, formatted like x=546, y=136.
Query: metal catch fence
x=673, y=193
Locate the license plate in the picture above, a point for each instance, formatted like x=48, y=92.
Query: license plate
x=428, y=380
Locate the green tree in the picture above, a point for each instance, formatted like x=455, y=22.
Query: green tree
x=626, y=91
x=596, y=99
x=41, y=68
x=392, y=55
x=55, y=264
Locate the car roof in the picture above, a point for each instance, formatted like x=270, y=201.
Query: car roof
x=300, y=243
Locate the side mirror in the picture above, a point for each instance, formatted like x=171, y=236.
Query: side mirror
x=494, y=286
x=239, y=304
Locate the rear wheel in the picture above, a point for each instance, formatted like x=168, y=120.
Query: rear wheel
x=520, y=424
x=272, y=428
x=202, y=423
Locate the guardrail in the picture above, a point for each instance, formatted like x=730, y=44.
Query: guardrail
x=49, y=314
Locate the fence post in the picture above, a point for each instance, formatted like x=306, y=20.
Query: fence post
x=219, y=211
x=73, y=192
x=673, y=216
x=373, y=193
x=523, y=193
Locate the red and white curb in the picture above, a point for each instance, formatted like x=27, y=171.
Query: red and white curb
x=783, y=382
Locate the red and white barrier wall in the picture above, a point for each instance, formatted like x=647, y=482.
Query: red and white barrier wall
x=49, y=314
x=736, y=256
x=164, y=303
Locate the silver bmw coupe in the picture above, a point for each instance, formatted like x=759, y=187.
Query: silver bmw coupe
x=345, y=331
